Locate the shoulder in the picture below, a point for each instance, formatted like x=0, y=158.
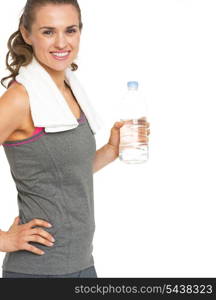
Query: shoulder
x=14, y=108
x=17, y=91
x=16, y=96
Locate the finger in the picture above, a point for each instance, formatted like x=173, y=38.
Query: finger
x=16, y=221
x=142, y=131
x=38, y=239
x=33, y=249
x=38, y=222
x=145, y=140
x=118, y=125
x=43, y=233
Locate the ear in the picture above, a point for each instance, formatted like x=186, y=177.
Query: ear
x=25, y=35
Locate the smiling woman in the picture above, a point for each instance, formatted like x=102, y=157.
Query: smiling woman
x=54, y=171
x=52, y=168
x=44, y=31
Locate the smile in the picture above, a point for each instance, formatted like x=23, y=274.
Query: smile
x=60, y=56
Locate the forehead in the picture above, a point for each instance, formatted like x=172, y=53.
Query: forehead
x=56, y=15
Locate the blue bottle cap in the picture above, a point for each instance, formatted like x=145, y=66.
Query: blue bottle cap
x=133, y=84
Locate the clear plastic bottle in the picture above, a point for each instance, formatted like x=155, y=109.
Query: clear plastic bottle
x=133, y=148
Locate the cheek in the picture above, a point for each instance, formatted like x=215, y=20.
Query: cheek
x=40, y=45
x=76, y=41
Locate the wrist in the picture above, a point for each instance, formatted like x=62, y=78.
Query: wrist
x=113, y=151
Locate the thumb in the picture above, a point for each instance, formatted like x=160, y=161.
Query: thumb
x=16, y=221
x=118, y=125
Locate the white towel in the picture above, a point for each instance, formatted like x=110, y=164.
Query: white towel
x=49, y=108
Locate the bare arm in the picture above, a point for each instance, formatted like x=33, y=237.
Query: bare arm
x=109, y=152
x=13, y=108
x=104, y=156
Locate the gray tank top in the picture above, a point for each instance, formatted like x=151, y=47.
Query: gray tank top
x=53, y=173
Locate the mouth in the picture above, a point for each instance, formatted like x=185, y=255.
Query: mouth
x=62, y=55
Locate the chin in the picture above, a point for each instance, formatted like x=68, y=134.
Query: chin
x=57, y=66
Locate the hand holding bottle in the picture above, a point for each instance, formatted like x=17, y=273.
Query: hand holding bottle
x=142, y=133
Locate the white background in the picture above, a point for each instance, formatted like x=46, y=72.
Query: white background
x=156, y=219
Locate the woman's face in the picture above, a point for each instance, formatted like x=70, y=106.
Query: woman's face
x=55, y=32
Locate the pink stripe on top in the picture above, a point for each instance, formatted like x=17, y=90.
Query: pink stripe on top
x=39, y=129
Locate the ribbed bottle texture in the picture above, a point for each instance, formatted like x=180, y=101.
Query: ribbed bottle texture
x=133, y=148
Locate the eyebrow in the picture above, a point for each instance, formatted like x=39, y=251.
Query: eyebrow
x=48, y=27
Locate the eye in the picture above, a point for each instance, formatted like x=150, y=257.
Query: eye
x=47, y=32
x=71, y=30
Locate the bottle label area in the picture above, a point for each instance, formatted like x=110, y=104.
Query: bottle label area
x=133, y=141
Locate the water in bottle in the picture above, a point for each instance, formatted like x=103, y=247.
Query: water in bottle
x=133, y=148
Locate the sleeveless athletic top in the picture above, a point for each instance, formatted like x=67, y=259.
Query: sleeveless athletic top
x=53, y=173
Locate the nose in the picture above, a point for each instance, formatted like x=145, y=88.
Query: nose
x=60, y=41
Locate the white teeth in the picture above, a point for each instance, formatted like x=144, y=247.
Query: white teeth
x=60, y=54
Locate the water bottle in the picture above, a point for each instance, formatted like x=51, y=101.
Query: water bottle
x=133, y=148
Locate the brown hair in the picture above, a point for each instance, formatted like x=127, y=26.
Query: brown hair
x=22, y=53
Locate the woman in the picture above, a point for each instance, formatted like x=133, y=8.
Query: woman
x=53, y=173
